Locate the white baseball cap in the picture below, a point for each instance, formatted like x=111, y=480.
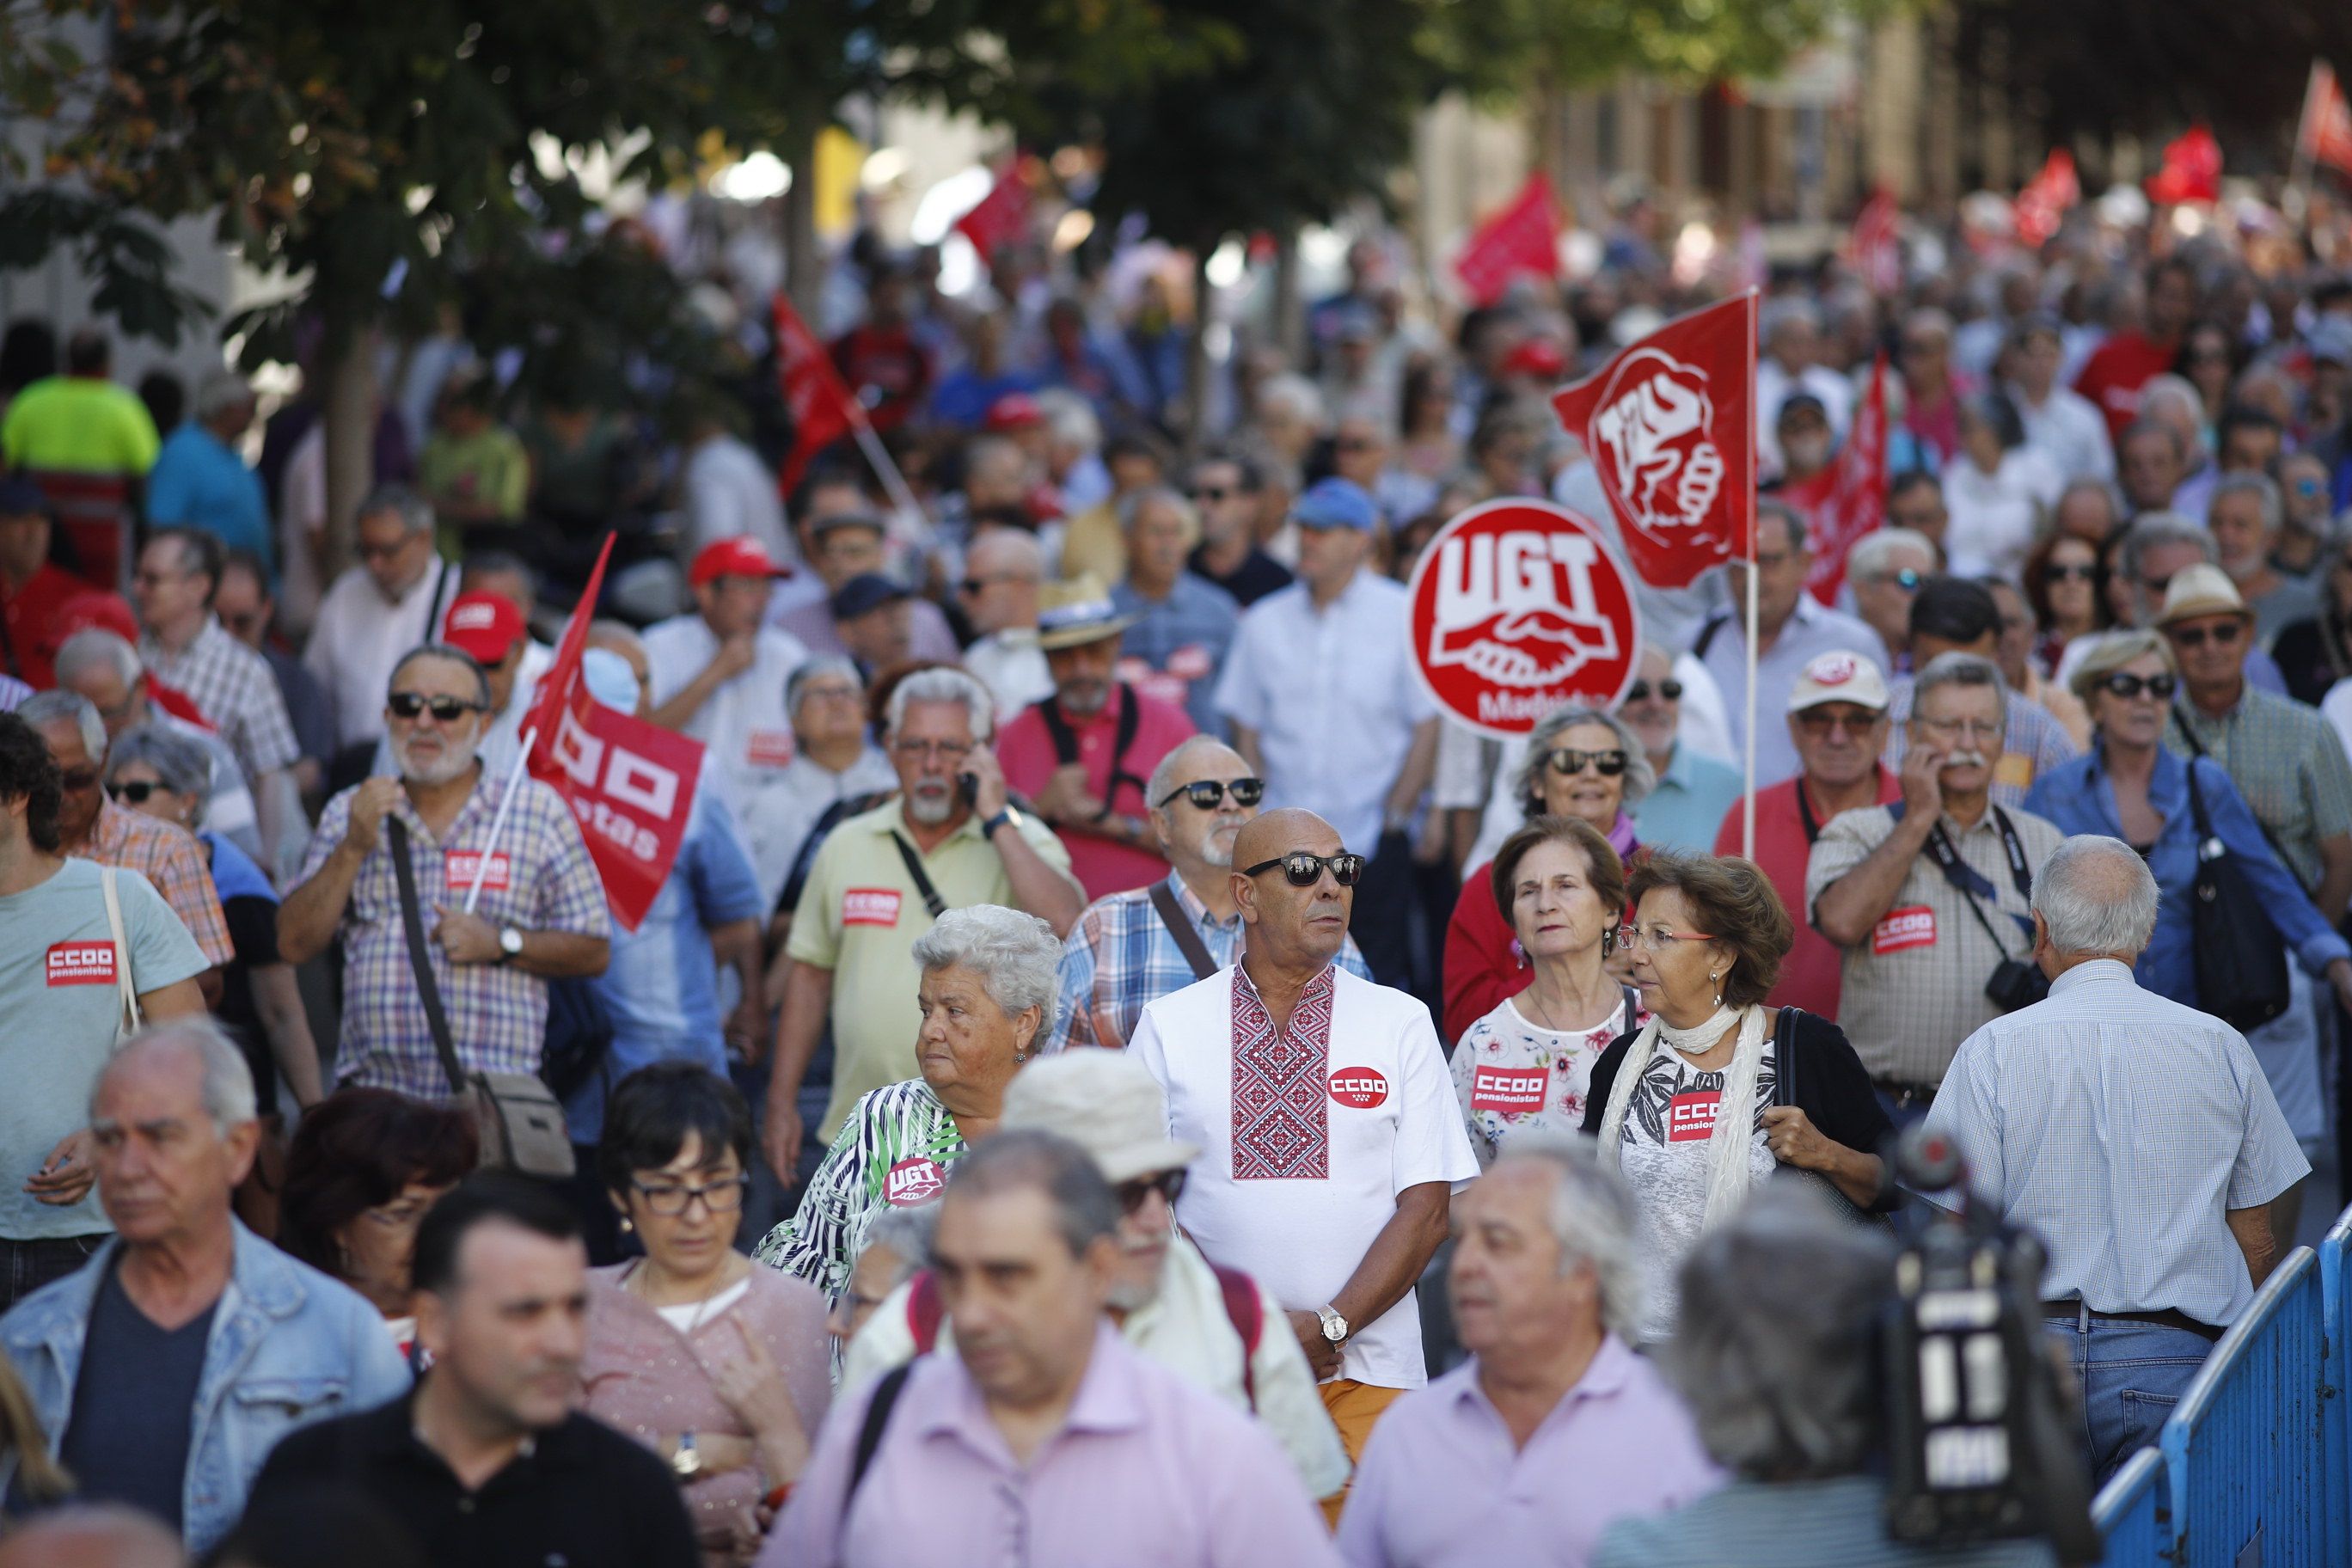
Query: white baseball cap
x=1840, y=677
x=1106, y=1103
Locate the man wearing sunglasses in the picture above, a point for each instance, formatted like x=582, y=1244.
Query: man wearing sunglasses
x=1224, y=489
x=1332, y=1140
x=1885, y=569
x=541, y=915
x=1215, y=1327
x=1128, y=950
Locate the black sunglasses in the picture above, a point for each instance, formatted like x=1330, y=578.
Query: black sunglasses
x=1672, y=690
x=1301, y=870
x=1210, y=492
x=136, y=791
x=1567, y=761
x=447, y=710
x=1167, y=1183
x=2059, y=572
x=1208, y=794
x=2225, y=634
x=2161, y=686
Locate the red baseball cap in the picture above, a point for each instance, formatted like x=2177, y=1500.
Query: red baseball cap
x=1014, y=411
x=486, y=625
x=741, y=556
x=1538, y=357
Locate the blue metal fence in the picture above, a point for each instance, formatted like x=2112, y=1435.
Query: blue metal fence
x=2134, y=1513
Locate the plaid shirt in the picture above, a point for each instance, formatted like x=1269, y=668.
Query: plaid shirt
x=2286, y=760
x=173, y=863
x=1120, y=956
x=497, y=1013
x=234, y=687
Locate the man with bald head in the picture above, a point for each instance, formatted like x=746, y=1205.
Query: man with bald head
x=1129, y=948
x=1331, y=1141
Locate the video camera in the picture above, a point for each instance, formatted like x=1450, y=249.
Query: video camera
x=1980, y=1415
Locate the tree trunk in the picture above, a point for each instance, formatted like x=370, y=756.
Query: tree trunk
x=803, y=263
x=1290, y=314
x=347, y=412
x=1196, y=353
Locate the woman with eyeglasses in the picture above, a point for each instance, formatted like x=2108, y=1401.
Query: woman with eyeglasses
x=1697, y=1109
x=988, y=979
x=2131, y=786
x=2063, y=579
x=1580, y=762
x=716, y=1365
x=2315, y=654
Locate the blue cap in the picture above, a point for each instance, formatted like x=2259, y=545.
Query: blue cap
x=22, y=498
x=1336, y=503
x=866, y=591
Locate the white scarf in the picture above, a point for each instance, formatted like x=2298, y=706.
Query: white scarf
x=1729, y=1145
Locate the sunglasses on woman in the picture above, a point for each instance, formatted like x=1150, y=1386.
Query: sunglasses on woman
x=1672, y=690
x=1301, y=870
x=2161, y=686
x=135, y=792
x=1567, y=761
x=446, y=710
x=1208, y=794
x=2060, y=571
x=1167, y=1183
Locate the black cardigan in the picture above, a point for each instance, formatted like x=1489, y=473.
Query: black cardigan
x=1833, y=1090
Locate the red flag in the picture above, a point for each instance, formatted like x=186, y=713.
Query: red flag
x=1523, y=239
x=1670, y=426
x=822, y=410
x=630, y=783
x=1848, y=499
x=2325, y=135
x=1874, y=249
x=2191, y=171
x=1002, y=216
x=2047, y=197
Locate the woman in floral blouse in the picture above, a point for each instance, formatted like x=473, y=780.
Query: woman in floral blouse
x=1528, y=1063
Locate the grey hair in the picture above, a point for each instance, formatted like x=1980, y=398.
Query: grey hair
x=2261, y=487
x=1772, y=1352
x=47, y=707
x=1015, y=955
x=2100, y=488
x=221, y=392
x=796, y=684
x=2094, y=894
x=944, y=686
x=2158, y=528
x=1301, y=397
x=2144, y=425
x=2170, y=388
x=95, y=647
x=908, y=1233
x=1159, y=495
x=2110, y=651
x=416, y=513
x=1959, y=669
x=1869, y=555
x=1593, y=1219
x=1071, y=419
x=1527, y=781
x=1016, y=547
x=227, y=1088
x=1085, y=1209
x=184, y=762
x=1163, y=776
x=454, y=656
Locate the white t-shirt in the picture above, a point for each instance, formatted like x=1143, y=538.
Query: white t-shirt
x=1297, y=1194
x=745, y=722
x=1662, y=1153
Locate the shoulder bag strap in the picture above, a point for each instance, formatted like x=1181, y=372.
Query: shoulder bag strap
x=1188, y=940
x=887, y=1389
x=930, y=895
x=433, y=611
x=1707, y=634
x=1784, y=1056
x=123, y=982
x=428, y=990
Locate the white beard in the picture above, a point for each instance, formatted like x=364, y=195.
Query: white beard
x=931, y=810
x=455, y=761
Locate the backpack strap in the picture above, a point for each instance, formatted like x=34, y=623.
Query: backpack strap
x=925, y=1310
x=1066, y=744
x=1245, y=1310
x=887, y=1389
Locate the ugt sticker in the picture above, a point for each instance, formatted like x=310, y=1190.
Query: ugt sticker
x=1903, y=929
x=81, y=963
x=458, y=866
x=1690, y=1118
x=1361, y=1088
x=1507, y=1089
x=912, y=1181
x=869, y=907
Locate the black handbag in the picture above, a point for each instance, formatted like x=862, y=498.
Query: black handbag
x=1784, y=1092
x=2241, y=977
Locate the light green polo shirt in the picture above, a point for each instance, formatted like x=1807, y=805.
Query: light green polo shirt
x=859, y=916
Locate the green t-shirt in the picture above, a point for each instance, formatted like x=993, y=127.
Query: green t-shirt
x=57, y=994
x=491, y=467
x=78, y=425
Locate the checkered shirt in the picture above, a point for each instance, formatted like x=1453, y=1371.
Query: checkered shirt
x=1119, y=957
x=173, y=863
x=233, y=686
x=2286, y=761
x=497, y=1013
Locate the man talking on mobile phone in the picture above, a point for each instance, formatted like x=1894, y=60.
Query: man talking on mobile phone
x=951, y=838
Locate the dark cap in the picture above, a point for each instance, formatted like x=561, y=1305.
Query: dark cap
x=22, y=498
x=866, y=592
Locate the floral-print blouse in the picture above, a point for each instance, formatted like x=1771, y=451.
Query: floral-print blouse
x=1509, y=1074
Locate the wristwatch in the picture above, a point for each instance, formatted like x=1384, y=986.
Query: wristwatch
x=987, y=828
x=510, y=944
x=1335, y=1327
x=688, y=1460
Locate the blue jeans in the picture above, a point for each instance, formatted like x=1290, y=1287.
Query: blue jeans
x=2131, y=1374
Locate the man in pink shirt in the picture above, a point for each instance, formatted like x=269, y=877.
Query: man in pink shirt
x=1044, y=1439
x=1082, y=755
x=1554, y=1427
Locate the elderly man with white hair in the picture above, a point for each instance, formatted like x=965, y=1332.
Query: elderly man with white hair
x=1554, y=1428
x=164, y=1371
x=2136, y=1137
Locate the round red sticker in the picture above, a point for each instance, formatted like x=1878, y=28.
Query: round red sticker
x=912, y=1181
x=1361, y=1088
x=1518, y=607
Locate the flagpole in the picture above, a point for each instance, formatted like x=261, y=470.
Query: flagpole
x=498, y=819
x=1748, y=795
x=879, y=457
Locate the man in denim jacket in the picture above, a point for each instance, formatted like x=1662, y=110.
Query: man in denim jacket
x=186, y=1310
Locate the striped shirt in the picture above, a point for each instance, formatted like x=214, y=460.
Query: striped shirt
x=2121, y=1128
x=1834, y=1523
x=2288, y=763
x=234, y=687
x=894, y=1152
x=1120, y=956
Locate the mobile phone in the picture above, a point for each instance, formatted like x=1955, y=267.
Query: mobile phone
x=968, y=786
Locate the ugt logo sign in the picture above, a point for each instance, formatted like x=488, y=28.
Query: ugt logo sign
x=1652, y=439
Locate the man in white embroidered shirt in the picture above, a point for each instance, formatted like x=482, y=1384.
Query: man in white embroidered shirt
x=1331, y=1140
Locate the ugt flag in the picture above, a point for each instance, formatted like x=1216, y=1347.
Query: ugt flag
x=1670, y=427
x=1521, y=240
x=630, y=783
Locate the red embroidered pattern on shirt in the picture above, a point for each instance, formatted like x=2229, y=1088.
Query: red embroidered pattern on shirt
x=1281, y=1119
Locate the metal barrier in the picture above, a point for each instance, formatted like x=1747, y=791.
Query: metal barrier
x=2133, y=1513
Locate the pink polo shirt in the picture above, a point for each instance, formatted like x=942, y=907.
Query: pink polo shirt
x=1146, y=1471
x=1025, y=746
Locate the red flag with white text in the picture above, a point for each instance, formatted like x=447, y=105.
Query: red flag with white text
x=1521, y=240
x=2047, y=197
x=629, y=783
x=2325, y=135
x=1874, y=249
x=1848, y=499
x=1000, y=217
x=822, y=410
x=1670, y=426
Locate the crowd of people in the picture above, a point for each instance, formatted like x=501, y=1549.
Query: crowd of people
x=1113, y=1071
